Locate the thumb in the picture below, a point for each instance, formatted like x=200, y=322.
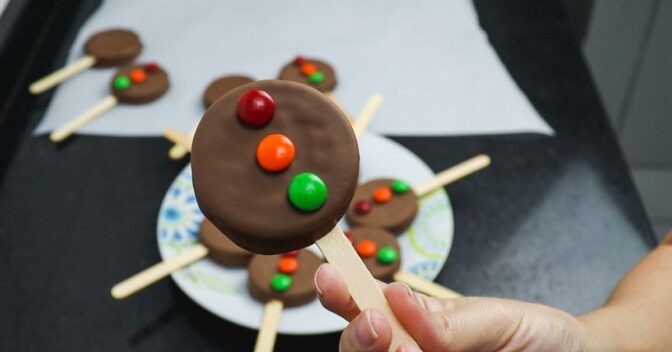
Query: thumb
x=482, y=324
x=369, y=331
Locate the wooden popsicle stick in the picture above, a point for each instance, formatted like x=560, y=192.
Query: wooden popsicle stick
x=429, y=288
x=61, y=75
x=268, y=329
x=347, y=114
x=63, y=132
x=363, y=288
x=182, y=146
x=158, y=271
x=368, y=113
x=453, y=174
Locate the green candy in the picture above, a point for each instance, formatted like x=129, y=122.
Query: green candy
x=387, y=255
x=400, y=187
x=307, y=191
x=316, y=77
x=281, y=282
x=122, y=82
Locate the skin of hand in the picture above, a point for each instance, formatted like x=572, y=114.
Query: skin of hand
x=633, y=319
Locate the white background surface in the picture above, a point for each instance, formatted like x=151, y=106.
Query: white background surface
x=429, y=59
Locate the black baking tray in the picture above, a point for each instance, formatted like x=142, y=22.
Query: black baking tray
x=554, y=220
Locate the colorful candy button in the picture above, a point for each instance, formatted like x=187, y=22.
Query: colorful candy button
x=275, y=152
x=299, y=60
x=382, y=195
x=316, y=77
x=292, y=253
x=400, y=187
x=363, y=207
x=288, y=265
x=255, y=108
x=138, y=75
x=387, y=255
x=366, y=248
x=308, y=69
x=152, y=67
x=281, y=282
x=307, y=191
x=121, y=82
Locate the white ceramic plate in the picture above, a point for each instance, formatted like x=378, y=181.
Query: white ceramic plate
x=223, y=291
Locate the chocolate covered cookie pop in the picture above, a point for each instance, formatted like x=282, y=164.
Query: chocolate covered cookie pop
x=212, y=244
x=292, y=157
x=287, y=277
x=108, y=48
x=275, y=166
x=278, y=281
x=137, y=84
x=315, y=73
x=381, y=253
x=393, y=204
x=379, y=250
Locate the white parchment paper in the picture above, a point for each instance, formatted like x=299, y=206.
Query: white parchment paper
x=429, y=59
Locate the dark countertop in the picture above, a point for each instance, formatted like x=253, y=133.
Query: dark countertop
x=553, y=220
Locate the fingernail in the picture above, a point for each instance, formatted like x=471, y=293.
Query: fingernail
x=365, y=331
x=409, y=291
x=409, y=348
x=317, y=287
x=432, y=304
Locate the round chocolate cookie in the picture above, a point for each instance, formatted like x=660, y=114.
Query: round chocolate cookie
x=379, y=250
x=311, y=183
x=220, y=247
x=293, y=72
x=140, y=84
x=221, y=86
x=113, y=47
x=395, y=212
x=270, y=278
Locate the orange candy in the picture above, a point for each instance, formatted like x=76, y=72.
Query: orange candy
x=275, y=152
x=382, y=195
x=308, y=69
x=366, y=248
x=138, y=75
x=288, y=265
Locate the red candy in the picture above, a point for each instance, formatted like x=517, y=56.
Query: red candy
x=292, y=253
x=350, y=237
x=299, y=60
x=255, y=108
x=382, y=195
x=152, y=67
x=363, y=207
x=275, y=152
x=288, y=265
x=366, y=248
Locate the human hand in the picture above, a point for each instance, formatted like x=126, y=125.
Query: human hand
x=462, y=324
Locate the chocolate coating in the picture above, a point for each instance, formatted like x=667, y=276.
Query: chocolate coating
x=113, y=47
x=220, y=247
x=291, y=72
x=221, y=86
x=152, y=88
x=249, y=204
x=262, y=269
x=395, y=216
x=381, y=238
